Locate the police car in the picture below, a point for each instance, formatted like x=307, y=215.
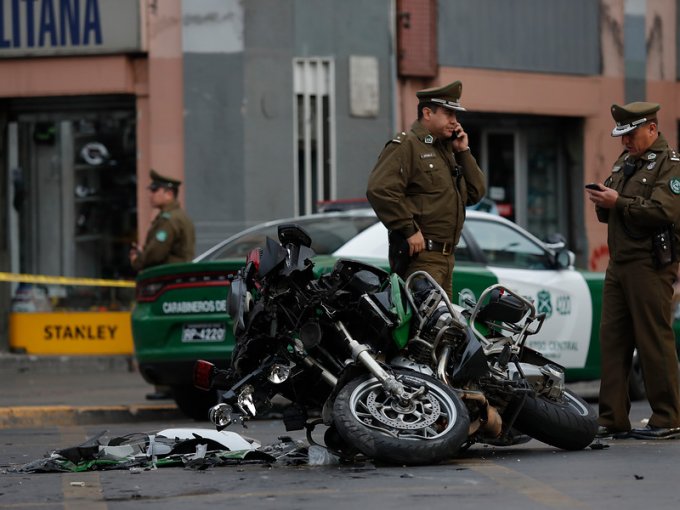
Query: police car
x=180, y=313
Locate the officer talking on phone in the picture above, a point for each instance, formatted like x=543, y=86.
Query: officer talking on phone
x=640, y=203
x=421, y=184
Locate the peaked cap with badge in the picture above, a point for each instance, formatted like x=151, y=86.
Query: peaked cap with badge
x=447, y=96
x=159, y=180
x=632, y=116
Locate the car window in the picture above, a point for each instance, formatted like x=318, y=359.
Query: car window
x=463, y=251
x=327, y=234
x=504, y=246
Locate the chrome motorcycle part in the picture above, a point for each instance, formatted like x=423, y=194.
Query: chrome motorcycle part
x=429, y=426
x=278, y=373
x=246, y=402
x=221, y=415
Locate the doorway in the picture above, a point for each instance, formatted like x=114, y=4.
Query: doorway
x=72, y=189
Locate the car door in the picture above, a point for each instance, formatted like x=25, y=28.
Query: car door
x=514, y=258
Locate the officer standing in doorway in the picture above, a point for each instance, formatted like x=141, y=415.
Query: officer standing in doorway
x=421, y=184
x=640, y=202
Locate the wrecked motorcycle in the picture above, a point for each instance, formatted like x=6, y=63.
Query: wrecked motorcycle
x=395, y=370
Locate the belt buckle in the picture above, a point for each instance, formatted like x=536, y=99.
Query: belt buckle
x=448, y=249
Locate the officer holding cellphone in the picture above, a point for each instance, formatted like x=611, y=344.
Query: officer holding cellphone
x=640, y=202
x=421, y=184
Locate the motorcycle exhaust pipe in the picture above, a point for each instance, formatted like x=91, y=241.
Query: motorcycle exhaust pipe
x=492, y=423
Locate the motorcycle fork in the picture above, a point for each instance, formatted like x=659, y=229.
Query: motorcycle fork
x=361, y=353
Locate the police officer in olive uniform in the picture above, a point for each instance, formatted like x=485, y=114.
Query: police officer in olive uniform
x=640, y=202
x=171, y=237
x=421, y=184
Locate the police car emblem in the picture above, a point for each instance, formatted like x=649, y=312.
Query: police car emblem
x=674, y=185
x=161, y=235
x=429, y=139
x=544, y=305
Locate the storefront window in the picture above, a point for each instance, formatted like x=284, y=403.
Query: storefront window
x=73, y=192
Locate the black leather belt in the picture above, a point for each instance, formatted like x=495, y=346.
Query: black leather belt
x=443, y=248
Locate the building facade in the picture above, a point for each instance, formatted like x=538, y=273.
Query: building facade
x=265, y=107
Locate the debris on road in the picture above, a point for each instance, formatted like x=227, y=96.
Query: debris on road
x=193, y=448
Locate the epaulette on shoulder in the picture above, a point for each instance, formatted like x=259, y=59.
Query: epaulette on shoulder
x=399, y=137
x=674, y=155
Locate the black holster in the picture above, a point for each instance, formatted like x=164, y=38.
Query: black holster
x=663, y=247
x=398, y=253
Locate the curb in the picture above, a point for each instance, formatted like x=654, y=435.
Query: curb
x=56, y=416
x=20, y=363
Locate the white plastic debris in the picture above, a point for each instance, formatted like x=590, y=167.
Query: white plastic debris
x=230, y=440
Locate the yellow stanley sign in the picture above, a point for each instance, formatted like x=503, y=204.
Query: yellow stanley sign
x=77, y=333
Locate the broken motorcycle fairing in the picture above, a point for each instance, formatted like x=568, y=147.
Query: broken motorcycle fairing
x=395, y=370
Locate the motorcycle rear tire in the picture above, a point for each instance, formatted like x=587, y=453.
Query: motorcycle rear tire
x=368, y=419
x=570, y=424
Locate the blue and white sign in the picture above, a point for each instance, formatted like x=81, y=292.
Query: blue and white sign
x=69, y=27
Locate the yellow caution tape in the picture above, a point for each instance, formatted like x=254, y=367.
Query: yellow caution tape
x=63, y=280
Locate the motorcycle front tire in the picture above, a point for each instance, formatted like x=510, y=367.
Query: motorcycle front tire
x=430, y=429
x=569, y=423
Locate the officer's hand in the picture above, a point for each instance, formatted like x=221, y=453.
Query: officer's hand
x=461, y=142
x=134, y=253
x=416, y=243
x=604, y=198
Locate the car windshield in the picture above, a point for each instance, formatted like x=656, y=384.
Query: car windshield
x=507, y=247
x=327, y=233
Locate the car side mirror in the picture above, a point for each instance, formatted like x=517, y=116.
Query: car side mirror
x=565, y=259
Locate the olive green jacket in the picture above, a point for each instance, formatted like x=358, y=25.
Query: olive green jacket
x=648, y=200
x=171, y=238
x=419, y=184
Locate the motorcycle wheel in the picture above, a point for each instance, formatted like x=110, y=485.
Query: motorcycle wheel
x=569, y=423
x=432, y=428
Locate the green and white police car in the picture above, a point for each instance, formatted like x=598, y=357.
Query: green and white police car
x=180, y=313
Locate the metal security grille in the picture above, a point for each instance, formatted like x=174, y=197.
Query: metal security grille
x=314, y=132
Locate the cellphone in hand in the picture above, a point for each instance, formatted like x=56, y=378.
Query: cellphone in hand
x=594, y=186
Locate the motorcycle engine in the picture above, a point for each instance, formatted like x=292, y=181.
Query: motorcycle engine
x=438, y=325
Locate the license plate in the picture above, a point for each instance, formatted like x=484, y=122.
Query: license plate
x=203, y=332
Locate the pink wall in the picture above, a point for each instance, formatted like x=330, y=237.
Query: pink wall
x=587, y=97
x=160, y=107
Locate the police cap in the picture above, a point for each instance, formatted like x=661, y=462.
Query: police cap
x=161, y=181
x=447, y=96
x=632, y=116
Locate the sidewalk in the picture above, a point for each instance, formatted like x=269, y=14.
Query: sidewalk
x=48, y=391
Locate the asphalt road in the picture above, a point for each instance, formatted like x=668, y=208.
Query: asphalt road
x=622, y=474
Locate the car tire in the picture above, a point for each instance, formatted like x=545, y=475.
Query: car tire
x=636, y=382
x=193, y=402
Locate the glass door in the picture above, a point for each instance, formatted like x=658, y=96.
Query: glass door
x=500, y=157
x=72, y=187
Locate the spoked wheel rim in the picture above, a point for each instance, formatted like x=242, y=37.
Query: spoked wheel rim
x=428, y=416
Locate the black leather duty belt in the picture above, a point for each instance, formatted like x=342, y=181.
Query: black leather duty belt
x=443, y=248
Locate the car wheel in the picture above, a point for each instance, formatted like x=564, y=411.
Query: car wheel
x=193, y=402
x=636, y=382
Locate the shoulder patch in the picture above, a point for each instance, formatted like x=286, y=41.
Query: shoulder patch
x=674, y=185
x=161, y=236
